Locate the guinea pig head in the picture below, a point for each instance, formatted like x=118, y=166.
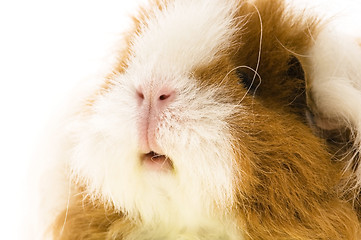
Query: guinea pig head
x=172, y=130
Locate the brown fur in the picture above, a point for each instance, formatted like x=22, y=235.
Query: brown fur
x=291, y=184
x=292, y=191
x=85, y=219
x=286, y=37
x=287, y=185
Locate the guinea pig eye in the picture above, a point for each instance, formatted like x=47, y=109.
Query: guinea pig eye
x=295, y=69
x=245, y=80
x=243, y=77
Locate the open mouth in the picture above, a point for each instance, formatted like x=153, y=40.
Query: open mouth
x=157, y=162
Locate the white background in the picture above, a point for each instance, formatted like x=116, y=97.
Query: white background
x=46, y=47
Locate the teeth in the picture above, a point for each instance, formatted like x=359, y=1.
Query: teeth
x=154, y=154
x=162, y=161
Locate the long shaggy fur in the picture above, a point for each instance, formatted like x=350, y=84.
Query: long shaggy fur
x=252, y=166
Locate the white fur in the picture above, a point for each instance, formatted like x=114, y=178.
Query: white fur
x=208, y=26
x=193, y=132
x=335, y=82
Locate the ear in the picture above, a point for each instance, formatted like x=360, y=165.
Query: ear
x=333, y=82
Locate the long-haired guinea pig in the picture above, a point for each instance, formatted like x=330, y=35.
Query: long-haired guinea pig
x=216, y=123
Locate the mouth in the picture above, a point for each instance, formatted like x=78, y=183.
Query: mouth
x=157, y=162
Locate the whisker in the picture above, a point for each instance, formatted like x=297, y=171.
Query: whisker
x=253, y=80
x=290, y=51
x=260, y=41
x=67, y=208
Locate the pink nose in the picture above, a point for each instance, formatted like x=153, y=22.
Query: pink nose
x=152, y=103
x=155, y=101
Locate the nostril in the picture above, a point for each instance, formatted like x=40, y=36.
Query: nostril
x=164, y=97
x=140, y=95
x=155, y=97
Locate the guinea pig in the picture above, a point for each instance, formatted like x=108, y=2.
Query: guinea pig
x=200, y=132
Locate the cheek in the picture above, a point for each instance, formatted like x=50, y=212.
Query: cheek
x=199, y=143
x=105, y=144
